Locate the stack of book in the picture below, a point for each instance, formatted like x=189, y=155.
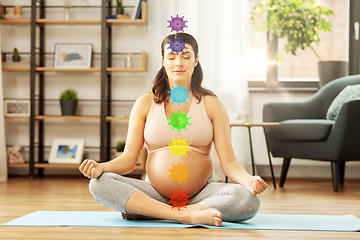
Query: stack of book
x=9, y=16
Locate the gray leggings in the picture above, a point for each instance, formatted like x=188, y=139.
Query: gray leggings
x=234, y=201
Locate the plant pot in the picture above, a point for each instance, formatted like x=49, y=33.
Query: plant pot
x=119, y=11
x=118, y=154
x=68, y=107
x=16, y=58
x=330, y=70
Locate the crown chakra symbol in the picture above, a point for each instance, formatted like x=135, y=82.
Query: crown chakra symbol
x=177, y=23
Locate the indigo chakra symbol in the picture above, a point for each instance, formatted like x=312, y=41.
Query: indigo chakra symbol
x=179, y=94
x=177, y=45
x=179, y=199
x=177, y=24
x=179, y=121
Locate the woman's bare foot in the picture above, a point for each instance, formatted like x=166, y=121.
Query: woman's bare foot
x=209, y=216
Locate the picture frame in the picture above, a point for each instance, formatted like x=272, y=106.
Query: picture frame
x=67, y=151
x=16, y=108
x=73, y=55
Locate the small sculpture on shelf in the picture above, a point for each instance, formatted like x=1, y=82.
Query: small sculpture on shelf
x=68, y=102
x=120, y=146
x=67, y=9
x=16, y=55
x=14, y=155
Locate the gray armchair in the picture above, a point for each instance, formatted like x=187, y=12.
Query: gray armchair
x=305, y=133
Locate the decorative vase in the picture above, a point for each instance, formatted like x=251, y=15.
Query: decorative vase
x=330, y=70
x=68, y=107
x=16, y=58
x=119, y=10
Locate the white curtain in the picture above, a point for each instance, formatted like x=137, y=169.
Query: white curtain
x=220, y=28
x=3, y=165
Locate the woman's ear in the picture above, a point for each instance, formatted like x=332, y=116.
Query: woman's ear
x=196, y=61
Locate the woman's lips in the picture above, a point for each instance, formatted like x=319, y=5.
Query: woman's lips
x=178, y=71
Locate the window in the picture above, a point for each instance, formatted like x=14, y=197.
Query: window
x=300, y=72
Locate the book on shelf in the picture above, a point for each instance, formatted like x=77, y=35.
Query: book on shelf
x=10, y=16
x=137, y=11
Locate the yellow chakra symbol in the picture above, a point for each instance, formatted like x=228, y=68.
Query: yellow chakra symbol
x=179, y=147
x=179, y=173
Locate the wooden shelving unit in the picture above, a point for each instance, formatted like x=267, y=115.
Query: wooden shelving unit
x=37, y=78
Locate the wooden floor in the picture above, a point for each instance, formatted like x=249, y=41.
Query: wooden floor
x=20, y=196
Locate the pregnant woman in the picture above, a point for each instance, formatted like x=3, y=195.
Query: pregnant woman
x=178, y=120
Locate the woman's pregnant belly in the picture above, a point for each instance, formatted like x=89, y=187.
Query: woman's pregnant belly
x=168, y=173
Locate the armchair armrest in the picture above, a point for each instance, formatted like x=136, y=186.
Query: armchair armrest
x=346, y=130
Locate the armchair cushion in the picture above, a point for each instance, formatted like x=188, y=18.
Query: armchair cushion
x=349, y=93
x=304, y=129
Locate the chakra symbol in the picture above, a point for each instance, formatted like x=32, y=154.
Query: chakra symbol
x=179, y=147
x=179, y=199
x=177, y=23
x=179, y=173
x=179, y=94
x=177, y=45
x=179, y=121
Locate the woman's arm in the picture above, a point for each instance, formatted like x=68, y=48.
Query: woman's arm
x=222, y=141
x=134, y=143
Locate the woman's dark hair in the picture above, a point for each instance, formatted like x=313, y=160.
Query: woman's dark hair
x=161, y=83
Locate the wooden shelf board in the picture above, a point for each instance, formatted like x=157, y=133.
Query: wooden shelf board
x=110, y=69
x=68, y=117
x=15, y=69
x=69, y=21
x=18, y=117
x=51, y=69
x=56, y=165
x=18, y=165
x=109, y=118
x=16, y=21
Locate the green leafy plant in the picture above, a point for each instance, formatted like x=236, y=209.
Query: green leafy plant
x=69, y=94
x=119, y=4
x=297, y=21
x=120, y=146
x=16, y=52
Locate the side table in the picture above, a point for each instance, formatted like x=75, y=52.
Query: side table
x=249, y=125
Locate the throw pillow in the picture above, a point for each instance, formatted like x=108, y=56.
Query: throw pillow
x=349, y=93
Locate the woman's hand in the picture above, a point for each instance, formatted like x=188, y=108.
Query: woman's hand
x=256, y=185
x=91, y=168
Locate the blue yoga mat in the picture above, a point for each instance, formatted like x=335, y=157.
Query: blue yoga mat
x=345, y=223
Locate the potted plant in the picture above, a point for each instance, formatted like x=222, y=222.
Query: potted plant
x=120, y=146
x=16, y=55
x=300, y=23
x=119, y=7
x=68, y=101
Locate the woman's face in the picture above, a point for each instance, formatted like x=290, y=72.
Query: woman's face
x=180, y=67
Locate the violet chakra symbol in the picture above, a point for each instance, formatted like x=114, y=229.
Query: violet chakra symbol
x=177, y=23
x=177, y=45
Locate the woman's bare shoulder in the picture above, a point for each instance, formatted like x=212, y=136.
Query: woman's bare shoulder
x=213, y=106
x=143, y=103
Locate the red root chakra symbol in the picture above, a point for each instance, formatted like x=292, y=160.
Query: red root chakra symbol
x=179, y=199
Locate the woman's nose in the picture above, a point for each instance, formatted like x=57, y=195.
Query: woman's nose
x=178, y=61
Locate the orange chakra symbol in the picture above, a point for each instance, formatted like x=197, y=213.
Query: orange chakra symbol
x=179, y=173
x=179, y=199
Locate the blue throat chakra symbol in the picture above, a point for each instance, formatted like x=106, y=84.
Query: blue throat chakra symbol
x=179, y=94
x=177, y=45
x=177, y=23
